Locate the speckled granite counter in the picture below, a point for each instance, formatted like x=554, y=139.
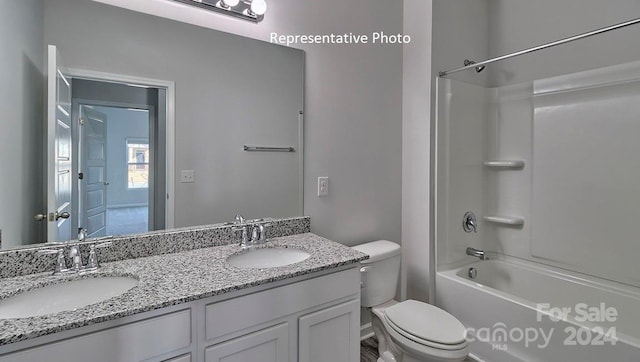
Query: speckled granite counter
x=170, y=279
x=26, y=260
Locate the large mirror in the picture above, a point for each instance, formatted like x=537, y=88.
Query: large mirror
x=156, y=115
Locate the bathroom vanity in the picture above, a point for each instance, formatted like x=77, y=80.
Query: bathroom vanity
x=194, y=306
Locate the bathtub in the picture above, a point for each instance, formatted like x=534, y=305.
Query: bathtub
x=520, y=311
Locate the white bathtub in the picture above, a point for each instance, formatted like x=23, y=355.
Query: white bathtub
x=508, y=309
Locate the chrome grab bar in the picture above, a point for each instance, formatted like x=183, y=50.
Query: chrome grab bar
x=268, y=149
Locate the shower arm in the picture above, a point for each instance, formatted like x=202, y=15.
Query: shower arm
x=543, y=46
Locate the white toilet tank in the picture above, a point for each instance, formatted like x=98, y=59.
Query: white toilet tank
x=380, y=272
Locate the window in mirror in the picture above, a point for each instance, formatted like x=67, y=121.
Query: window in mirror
x=137, y=164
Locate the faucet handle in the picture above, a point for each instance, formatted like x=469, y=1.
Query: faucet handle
x=469, y=223
x=82, y=234
x=245, y=235
x=263, y=232
x=93, y=262
x=61, y=263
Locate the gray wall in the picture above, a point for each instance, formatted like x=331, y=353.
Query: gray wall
x=460, y=31
x=217, y=110
x=123, y=124
x=353, y=101
x=520, y=24
x=445, y=32
x=416, y=145
x=21, y=93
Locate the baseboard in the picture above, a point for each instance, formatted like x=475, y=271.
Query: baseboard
x=122, y=206
x=366, y=331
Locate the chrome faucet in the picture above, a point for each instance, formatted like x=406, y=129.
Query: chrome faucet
x=244, y=240
x=75, y=258
x=258, y=234
x=93, y=263
x=82, y=234
x=477, y=253
x=61, y=262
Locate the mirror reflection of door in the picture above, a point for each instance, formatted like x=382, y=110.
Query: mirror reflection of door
x=119, y=132
x=58, y=215
x=115, y=167
x=93, y=160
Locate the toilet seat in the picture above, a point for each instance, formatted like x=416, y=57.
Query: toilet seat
x=419, y=348
x=426, y=324
x=420, y=341
x=421, y=351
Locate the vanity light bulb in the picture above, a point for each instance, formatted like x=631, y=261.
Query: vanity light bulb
x=231, y=3
x=258, y=7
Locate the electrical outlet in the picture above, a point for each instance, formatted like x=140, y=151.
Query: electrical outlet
x=188, y=176
x=323, y=186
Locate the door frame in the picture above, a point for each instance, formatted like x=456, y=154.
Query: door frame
x=169, y=87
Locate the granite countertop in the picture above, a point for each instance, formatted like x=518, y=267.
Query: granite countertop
x=169, y=279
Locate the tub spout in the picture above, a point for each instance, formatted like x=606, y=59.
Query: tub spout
x=477, y=253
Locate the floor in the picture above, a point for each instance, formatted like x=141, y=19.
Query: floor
x=369, y=350
x=127, y=220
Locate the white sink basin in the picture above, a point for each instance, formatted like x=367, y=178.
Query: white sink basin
x=64, y=296
x=268, y=257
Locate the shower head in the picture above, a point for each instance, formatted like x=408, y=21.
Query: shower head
x=479, y=68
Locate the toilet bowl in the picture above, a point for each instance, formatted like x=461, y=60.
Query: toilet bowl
x=408, y=331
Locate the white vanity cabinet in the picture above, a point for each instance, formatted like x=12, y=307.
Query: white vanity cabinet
x=330, y=334
x=306, y=319
x=266, y=345
x=135, y=341
x=313, y=320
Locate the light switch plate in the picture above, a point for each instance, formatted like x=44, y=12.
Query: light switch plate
x=323, y=186
x=188, y=176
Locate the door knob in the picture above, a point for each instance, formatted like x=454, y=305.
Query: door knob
x=63, y=215
x=106, y=183
x=54, y=216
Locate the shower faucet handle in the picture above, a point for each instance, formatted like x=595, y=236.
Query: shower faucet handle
x=469, y=222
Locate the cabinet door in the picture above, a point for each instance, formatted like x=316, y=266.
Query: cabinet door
x=267, y=345
x=132, y=342
x=331, y=334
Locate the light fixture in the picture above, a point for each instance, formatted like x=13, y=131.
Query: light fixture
x=258, y=7
x=252, y=10
x=229, y=3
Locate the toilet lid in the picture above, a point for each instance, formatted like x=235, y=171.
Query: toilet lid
x=426, y=322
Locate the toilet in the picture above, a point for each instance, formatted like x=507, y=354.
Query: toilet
x=409, y=331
